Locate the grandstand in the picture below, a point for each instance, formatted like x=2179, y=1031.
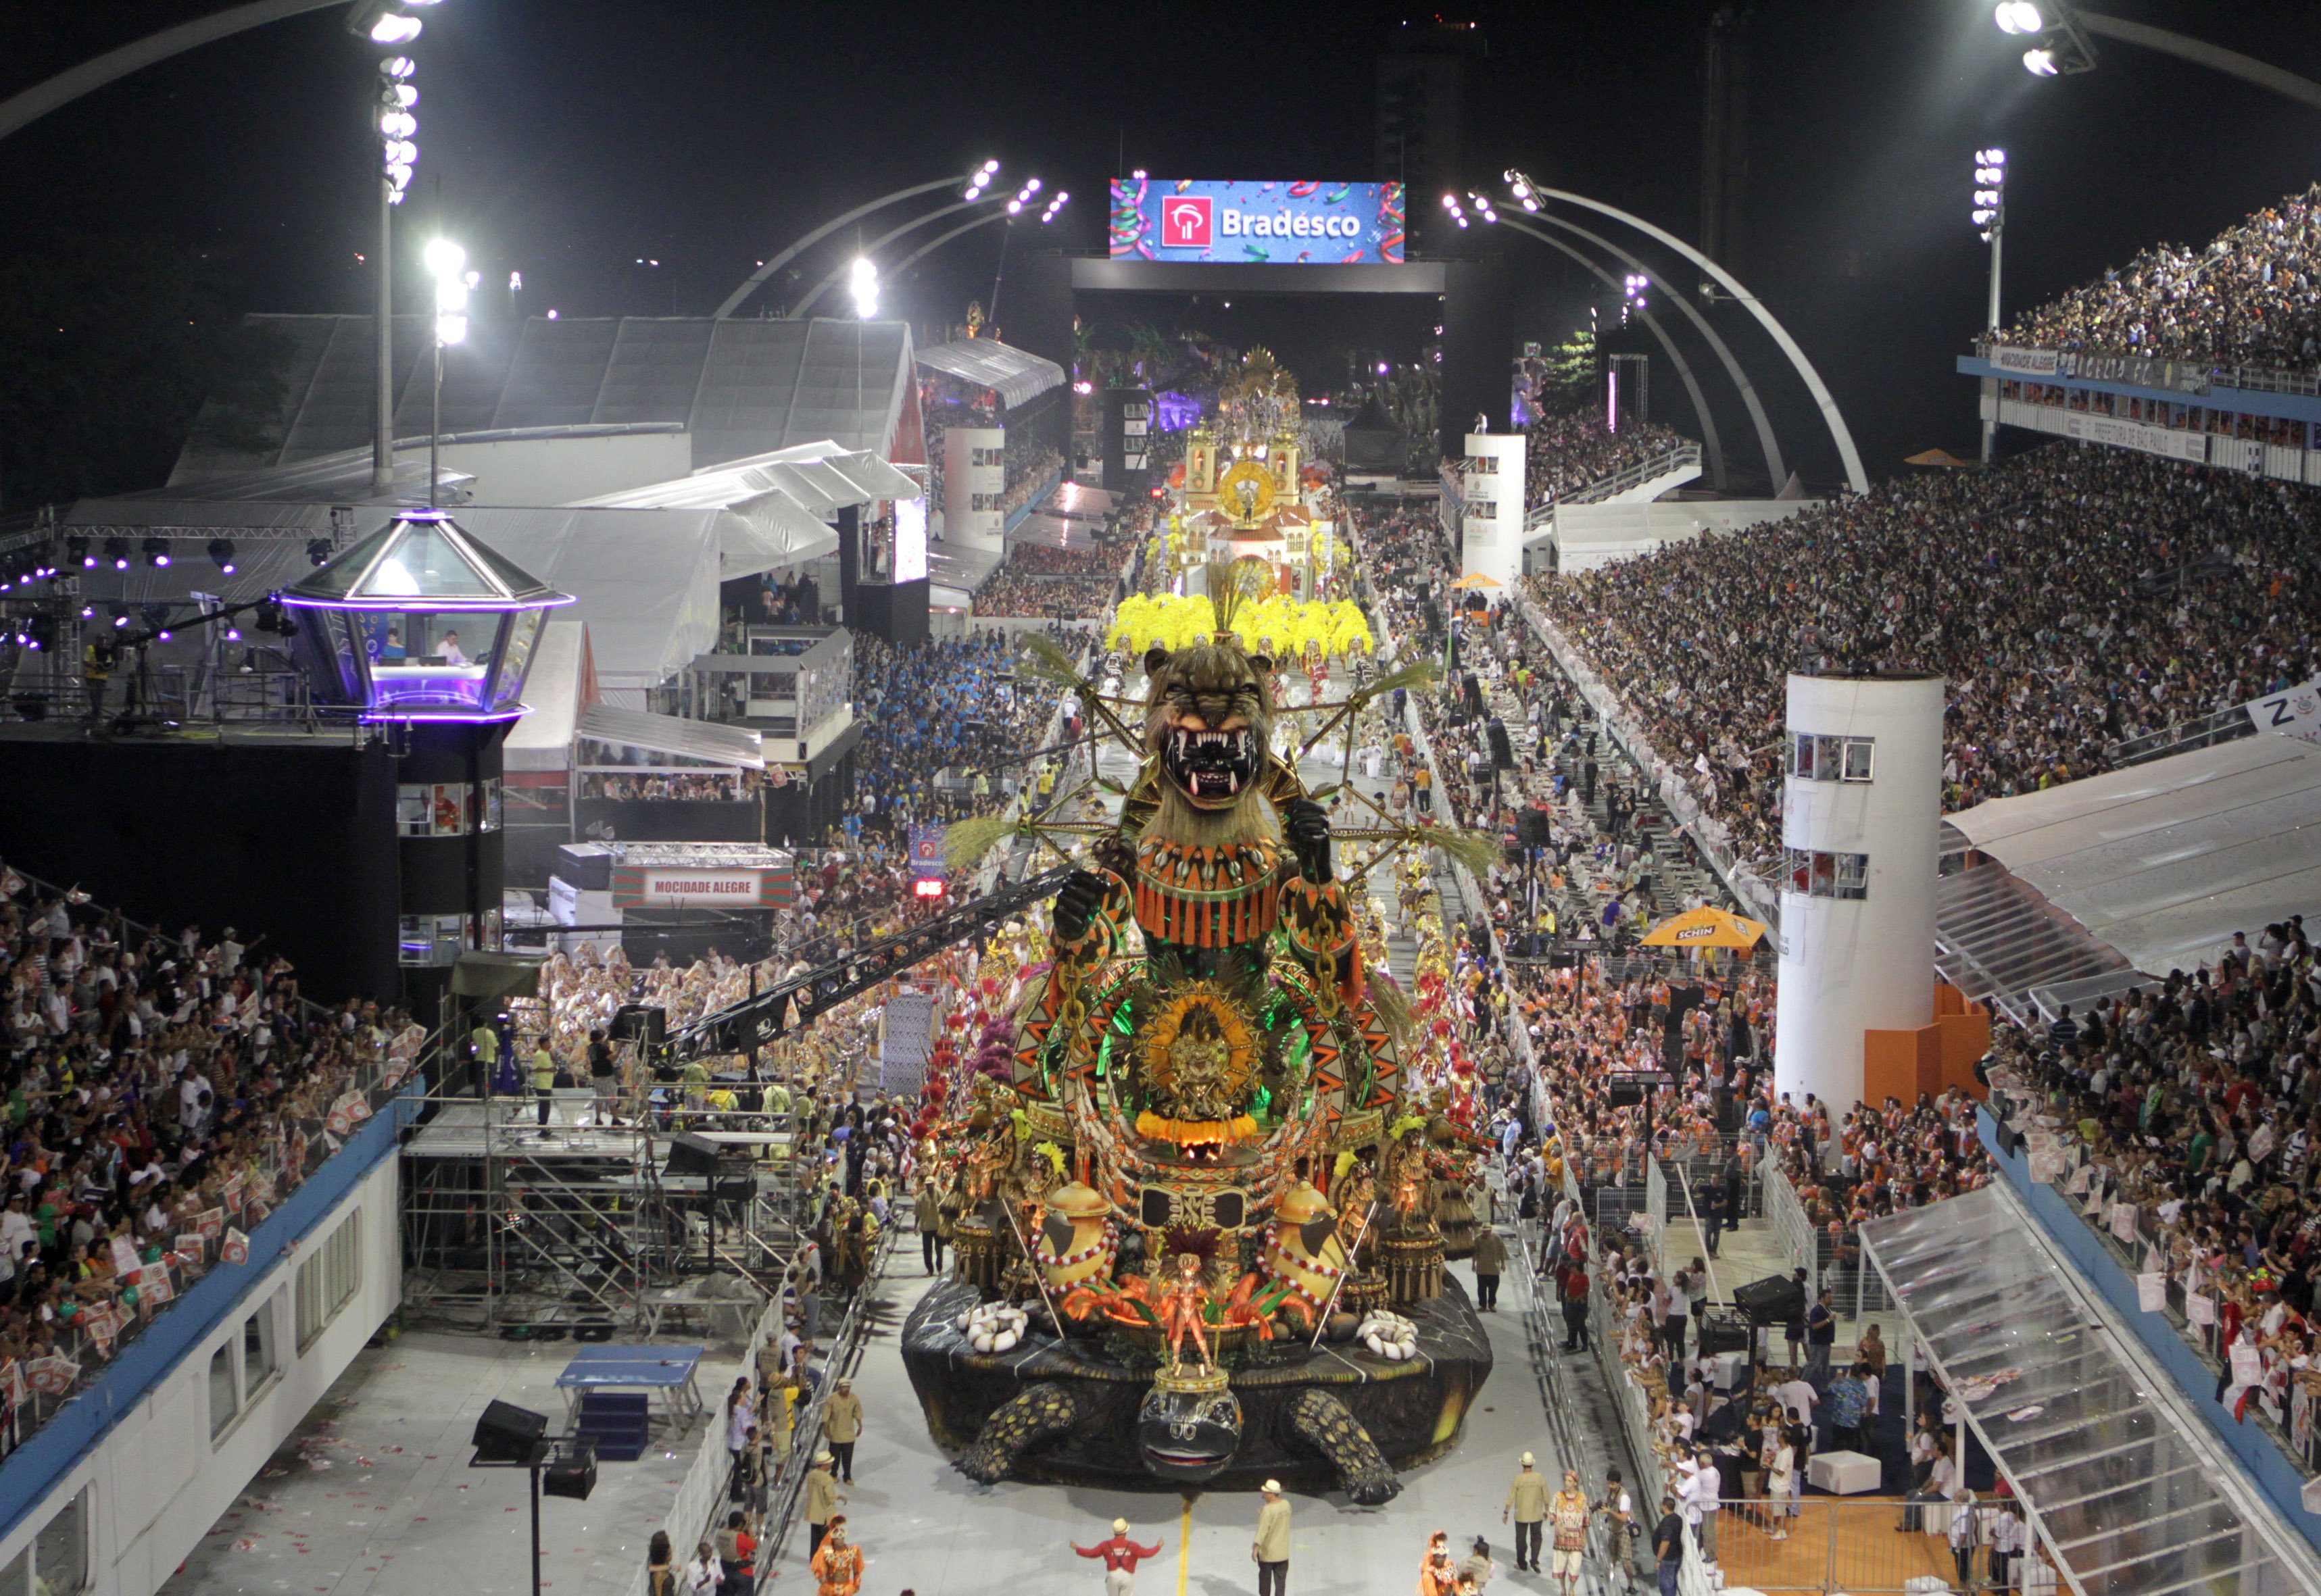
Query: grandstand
x=2210, y=356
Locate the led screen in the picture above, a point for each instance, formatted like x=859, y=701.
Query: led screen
x=1267, y=223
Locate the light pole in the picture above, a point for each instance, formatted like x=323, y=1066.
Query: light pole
x=447, y=263
x=1990, y=215
x=2060, y=46
x=389, y=22
x=975, y=180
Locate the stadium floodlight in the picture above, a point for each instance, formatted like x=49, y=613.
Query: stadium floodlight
x=2018, y=16
x=398, y=68
x=2040, y=62
x=1451, y=202
x=395, y=28
x=1982, y=218
x=990, y=168
x=401, y=93
x=863, y=283
x=1014, y=207
x=1986, y=196
x=397, y=125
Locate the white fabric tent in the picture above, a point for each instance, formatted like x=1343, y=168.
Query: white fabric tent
x=2165, y=861
x=1015, y=375
x=543, y=740
x=773, y=504
x=710, y=740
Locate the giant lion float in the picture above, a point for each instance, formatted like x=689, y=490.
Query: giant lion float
x=1197, y=1222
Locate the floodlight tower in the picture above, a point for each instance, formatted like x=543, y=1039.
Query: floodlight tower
x=389, y=22
x=1990, y=215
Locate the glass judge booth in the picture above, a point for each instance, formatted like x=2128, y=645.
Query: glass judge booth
x=420, y=622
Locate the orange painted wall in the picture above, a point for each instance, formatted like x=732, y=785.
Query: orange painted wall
x=1929, y=1059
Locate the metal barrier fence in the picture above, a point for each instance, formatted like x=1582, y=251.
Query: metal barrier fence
x=1832, y=1544
x=1831, y=1260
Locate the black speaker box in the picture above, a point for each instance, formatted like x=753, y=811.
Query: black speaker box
x=1721, y=1331
x=691, y=1155
x=1774, y=1300
x=575, y=1477
x=507, y=1432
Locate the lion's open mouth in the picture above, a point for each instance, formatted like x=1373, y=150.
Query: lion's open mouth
x=1212, y=767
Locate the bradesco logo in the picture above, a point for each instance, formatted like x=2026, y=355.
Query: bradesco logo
x=1186, y=220
x=1289, y=224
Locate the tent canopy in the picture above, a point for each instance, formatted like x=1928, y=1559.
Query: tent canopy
x=773, y=505
x=2166, y=860
x=1015, y=375
x=737, y=387
x=673, y=735
x=543, y=740
x=1705, y=927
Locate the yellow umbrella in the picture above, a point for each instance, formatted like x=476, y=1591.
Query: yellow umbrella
x=1475, y=582
x=1705, y=927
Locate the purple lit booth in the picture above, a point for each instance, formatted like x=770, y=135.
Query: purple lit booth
x=422, y=625
x=421, y=622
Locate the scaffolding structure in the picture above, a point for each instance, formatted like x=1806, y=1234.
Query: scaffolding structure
x=580, y=1227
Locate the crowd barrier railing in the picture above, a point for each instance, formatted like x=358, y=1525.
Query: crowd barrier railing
x=1675, y=792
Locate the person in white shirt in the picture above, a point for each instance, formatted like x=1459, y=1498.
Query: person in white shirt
x=1702, y=1498
x=703, y=1574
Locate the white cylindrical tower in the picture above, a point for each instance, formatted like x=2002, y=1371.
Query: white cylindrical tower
x=1861, y=824
x=1491, y=522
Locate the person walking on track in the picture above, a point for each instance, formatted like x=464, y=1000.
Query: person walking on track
x=1527, y=1505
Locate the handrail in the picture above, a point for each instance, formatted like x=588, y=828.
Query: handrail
x=2218, y=726
x=2246, y=379
x=1685, y=454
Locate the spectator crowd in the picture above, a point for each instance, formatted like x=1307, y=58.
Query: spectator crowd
x=2251, y=297
x=2073, y=598
x=162, y=1094
x=1567, y=451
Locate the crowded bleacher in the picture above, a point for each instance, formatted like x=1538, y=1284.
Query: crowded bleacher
x=1566, y=452
x=164, y=1094
x=2074, y=597
x=2250, y=296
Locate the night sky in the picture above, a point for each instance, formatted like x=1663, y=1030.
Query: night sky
x=568, y=139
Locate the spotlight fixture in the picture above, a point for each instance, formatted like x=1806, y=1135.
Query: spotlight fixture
x=116, y=553
x=77, y=553
x=2018, y=16
x=318, y=551
x=2040, y=62
x=222, y=555
x=157, y=552
x=120, y=615
x=1990, y=212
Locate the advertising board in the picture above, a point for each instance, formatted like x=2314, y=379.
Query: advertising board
x=1284, y=223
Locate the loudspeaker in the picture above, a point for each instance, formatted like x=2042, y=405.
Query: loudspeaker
x=1774, y=1300
x=573, y=1477
x=640, y=1022
x=1722, y=1332
x=1503, y=758
x=1628, y=1091
x=1532, y=828
x=507, y=1432
x=691, y=1155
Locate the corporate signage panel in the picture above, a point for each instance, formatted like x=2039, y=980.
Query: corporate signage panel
x=1256, y=224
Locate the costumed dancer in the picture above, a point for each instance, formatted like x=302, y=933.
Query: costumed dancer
x=1121, y=1556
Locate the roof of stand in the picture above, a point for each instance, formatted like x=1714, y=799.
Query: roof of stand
x=2126, y=1483
x=738, y=387
x=1015, y=375
x=2165, y=860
